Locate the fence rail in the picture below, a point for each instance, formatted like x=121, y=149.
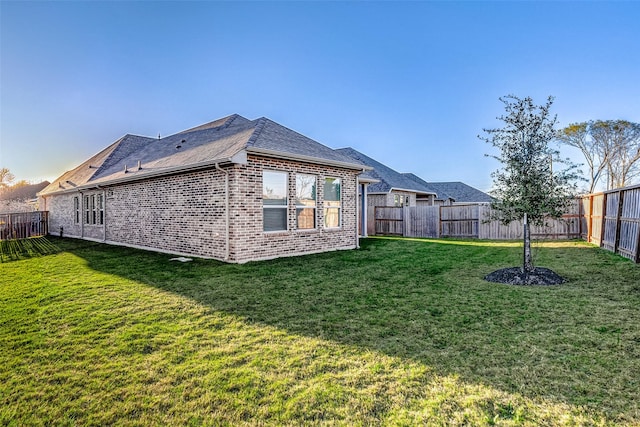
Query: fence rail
x=24, y=224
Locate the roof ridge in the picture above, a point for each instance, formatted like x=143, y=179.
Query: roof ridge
x=226, y=122
x=89, y=162
x=119, y=146
x=261, y=122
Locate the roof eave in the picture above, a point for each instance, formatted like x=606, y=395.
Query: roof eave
x=412, y=191
x=238, y=158
x=308, y=159
x=365, y=180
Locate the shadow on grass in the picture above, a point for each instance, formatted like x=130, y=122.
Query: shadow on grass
x=16, y=249
x=578, y=343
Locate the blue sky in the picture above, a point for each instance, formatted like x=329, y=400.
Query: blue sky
x=410, y=84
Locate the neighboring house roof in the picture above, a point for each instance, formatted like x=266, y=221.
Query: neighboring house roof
x=461, y=192
x=226, y=140
x=388, y=179
x=25, y=192
x=440, y=195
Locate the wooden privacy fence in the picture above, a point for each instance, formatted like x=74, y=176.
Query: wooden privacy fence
x=24, y=224
x=468, y=221
x=611, y=220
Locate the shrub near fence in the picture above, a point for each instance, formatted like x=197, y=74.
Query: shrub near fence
x=24, y=224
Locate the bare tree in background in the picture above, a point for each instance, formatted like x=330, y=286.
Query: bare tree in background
x=6, y=178
x=611, y=149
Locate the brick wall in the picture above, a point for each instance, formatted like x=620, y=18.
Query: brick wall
x=181, y=213
x=61, y=214
x=250, y=242
x=185, y=213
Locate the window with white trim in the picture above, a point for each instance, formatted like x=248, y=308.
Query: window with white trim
x=87, y=209
x=76, y=210
x=274, y=200
x=100, y=208
x=305, y=202
x=94, y=209
x=92, y=198
x=332, y=203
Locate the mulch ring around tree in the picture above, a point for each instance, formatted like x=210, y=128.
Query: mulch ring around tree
x=515, y=276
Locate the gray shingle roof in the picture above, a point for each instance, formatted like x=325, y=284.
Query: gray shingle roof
x=221, y=140
x=388, y=178
x=440, y=194
x=273, y=136
x=461, y=192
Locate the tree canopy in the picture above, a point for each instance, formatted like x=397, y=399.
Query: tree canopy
x=6, y=177
x=528, y=187
x=611, y=149
x=530, y=180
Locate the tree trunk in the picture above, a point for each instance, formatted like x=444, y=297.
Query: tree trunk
x=527, y=265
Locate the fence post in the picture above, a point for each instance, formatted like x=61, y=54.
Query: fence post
x=406, y=227
x=590, y=222
x=603, y=221
x=638, y=250
x=580, y=216
x=618, y=221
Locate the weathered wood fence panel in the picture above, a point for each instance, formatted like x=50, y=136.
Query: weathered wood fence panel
x=609, y=231
x=389, y=220
x=612, y=220
x=593, y=218
x=24, y=224
x=423, y=221
x=459, y=221
x=629, y=235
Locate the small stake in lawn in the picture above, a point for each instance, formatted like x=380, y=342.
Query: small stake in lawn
x=527, y=188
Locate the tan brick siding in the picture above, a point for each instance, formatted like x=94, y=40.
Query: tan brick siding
x=181, y=213
x=185, y=213
x=250, y=242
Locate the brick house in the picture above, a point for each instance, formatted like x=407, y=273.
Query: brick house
x=233, y=189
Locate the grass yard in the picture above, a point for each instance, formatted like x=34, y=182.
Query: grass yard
x=400, y=332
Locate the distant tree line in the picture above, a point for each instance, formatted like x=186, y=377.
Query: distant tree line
x=611, y=149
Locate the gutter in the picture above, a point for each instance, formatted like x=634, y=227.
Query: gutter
x=239, y=158
x=308, y=159
x=412, y=191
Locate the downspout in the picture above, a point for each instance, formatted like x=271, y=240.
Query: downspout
x=82, y=214
x=226, y=209
x=364, y=210
x=357, y=217
x=104, y=214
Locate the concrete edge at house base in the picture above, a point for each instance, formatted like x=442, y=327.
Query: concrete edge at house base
x=182, y=254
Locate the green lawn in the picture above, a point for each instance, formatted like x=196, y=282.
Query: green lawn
x=400, y=332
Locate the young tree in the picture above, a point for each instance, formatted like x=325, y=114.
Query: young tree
x=529, y=187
